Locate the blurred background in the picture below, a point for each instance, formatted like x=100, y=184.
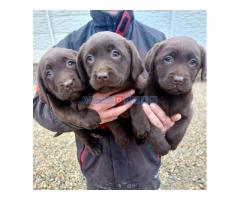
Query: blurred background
x=49, y=27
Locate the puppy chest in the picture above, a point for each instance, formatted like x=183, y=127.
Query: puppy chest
x=172, y=106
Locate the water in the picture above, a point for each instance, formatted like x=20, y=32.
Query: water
x=172, y=23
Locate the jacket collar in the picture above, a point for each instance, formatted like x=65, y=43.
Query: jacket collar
x=101, y=18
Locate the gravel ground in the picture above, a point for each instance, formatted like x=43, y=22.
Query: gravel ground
x=55, y=164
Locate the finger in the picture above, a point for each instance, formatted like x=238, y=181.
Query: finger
x=97, y=101
x=100, y=96
x=115, y=112
x=161, y=114
x=115, y=99
x=108, y=120
x=176, y=117
x=152, y=117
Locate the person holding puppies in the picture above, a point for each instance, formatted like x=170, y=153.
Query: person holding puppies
x=133, y=167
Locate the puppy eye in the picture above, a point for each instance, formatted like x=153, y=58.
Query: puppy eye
x=71, y=63
x=115, y=53
x=49, y=73
x=168, y=59
x=193, y=62
x=90, y=58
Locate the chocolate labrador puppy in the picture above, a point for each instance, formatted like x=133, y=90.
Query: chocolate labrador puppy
x=112, y=63
x=62, y=89
x=172, y=65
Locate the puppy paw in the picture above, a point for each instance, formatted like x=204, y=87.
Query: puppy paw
x=90, y=125
x=159, y=143
x=91, y=120
x=173, y=140
x=142, y=131
x=142, y=134
x=162, y=149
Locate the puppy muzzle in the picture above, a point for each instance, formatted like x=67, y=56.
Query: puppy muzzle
x=70, y=89
x=105, y=80
x=176, y=84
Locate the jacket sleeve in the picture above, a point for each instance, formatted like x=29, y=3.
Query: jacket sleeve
x=44, y=116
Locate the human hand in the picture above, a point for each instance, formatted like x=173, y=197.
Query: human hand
x=159, y=118
x=105, y=104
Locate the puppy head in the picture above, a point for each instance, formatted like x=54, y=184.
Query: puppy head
x=175, y=63
x=57, y=75
x=110, y=61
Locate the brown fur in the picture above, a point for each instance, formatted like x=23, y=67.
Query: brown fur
x=62, y=89
x=172, y=66
x=110, y=62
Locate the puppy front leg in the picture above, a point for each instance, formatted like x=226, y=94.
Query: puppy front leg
x=120, y=135
x=158, y=141
x=175, y=134
x=86, y=118
x=90, y=118
x=140, y=123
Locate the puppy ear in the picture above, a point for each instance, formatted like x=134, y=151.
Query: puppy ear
x=42, y=92
x=203, y=64
x=149, y=58
x=138, y=71
x=75, y=53
x=80, y=65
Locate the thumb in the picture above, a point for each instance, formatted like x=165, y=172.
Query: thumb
x=176, y=117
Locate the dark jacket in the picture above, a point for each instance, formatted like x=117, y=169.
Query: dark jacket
x=135, y=167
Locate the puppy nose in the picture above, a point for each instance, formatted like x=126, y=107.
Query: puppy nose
x=102, y=76
x=178, y=78
x=67, y=84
